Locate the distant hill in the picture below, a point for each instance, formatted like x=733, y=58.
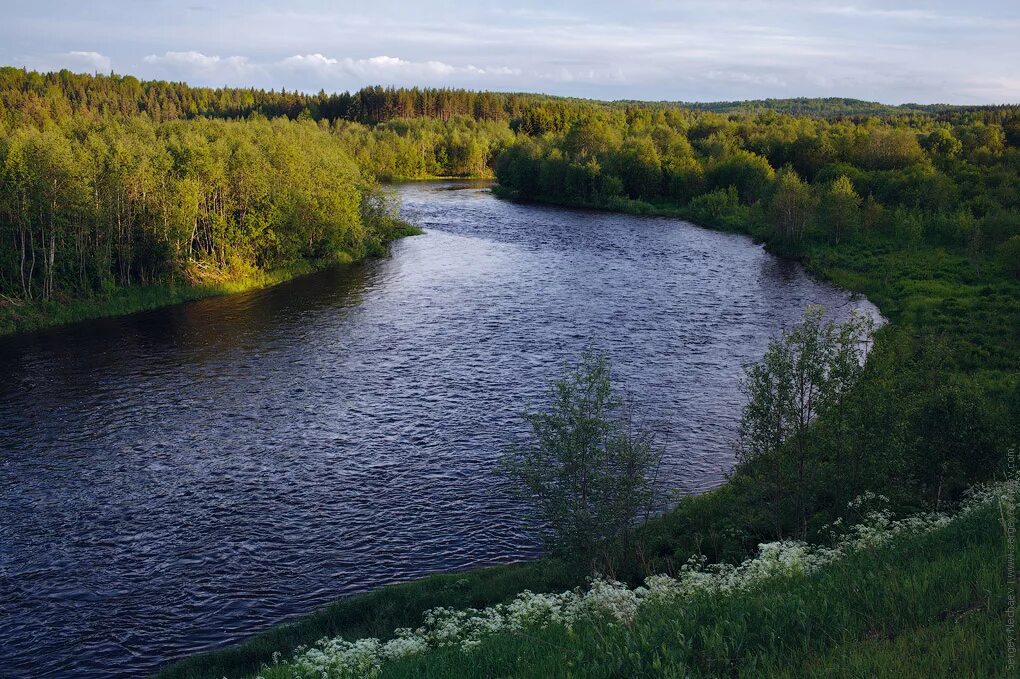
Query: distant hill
x=74, y=93
x=824, y=107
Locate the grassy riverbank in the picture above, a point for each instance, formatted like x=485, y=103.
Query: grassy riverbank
x=377, y=613
x=934, y=290
x=19, y=316
x=929, y=596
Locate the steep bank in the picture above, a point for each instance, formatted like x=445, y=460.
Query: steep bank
x=931, y=594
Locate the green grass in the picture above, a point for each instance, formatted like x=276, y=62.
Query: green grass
x=378, y=613
x=924, y=605
x=25, y=317
x=18, y=316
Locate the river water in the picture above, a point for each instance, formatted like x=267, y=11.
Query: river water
x=175, y=480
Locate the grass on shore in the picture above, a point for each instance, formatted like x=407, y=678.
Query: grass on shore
x=18, y=316
x=378, y=613
x=29, y=316
x=925, y=287
x=928, y=604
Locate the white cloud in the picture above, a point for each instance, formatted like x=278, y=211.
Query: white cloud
x=309, y=60
x=92, y=61
x=387, y=69
x=210, y=68
x=78, y=61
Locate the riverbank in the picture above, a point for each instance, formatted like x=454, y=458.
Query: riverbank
x=928, y=288
x=932, y=597
x=17, y=316
x=942, y=610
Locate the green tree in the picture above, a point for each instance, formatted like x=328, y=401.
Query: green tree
x=839, y=209
x=806, y=372
x=588, y=470
x=640, y=168
x=720, y=208
x=589, y=138
x=791, y=208
x=1009, y=256
x=942, y=142
x=750, y=173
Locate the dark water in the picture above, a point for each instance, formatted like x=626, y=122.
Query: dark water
x=173, y=481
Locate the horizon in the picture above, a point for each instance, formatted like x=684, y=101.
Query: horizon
x=694, y=52
x=673, y=102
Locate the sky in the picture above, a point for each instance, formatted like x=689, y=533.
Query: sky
x=699, y=50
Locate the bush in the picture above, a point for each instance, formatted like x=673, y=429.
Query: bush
x=1009, y=256
x=719, y=208
x=586, y=468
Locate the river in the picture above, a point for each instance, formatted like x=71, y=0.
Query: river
x=175, y=480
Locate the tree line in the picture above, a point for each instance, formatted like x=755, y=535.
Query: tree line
x=951, y=180
x=91, y=206
x=31, y=95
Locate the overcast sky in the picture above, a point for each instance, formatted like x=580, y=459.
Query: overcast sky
x=895, y=52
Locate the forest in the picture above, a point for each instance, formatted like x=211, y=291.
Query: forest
x=109, y=186
x=109, y=182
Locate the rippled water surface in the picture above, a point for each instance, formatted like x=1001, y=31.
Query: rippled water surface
x=175, y=480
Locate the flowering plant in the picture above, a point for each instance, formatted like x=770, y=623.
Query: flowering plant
x=613, y=602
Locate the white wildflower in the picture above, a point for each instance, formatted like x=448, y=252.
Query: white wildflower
x=467, y=628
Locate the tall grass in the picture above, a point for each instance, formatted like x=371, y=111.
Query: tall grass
x=378, y=613
x=894, y=600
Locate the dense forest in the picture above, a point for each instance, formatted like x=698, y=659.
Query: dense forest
x=108, y=184
x=829, y=107
x=28, y=95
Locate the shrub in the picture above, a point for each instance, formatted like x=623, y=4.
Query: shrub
x=586, y=468
x=1009, y=256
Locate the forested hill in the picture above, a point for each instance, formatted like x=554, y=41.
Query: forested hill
x=28, y=94
x=58, y=94
x=827, y=107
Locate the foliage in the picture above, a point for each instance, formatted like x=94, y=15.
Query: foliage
x=791, y=207
x=1009, y=256
x=720, y=208
x=124, y=203
x=806, y=373
x=839, y=209
x=588, y=470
